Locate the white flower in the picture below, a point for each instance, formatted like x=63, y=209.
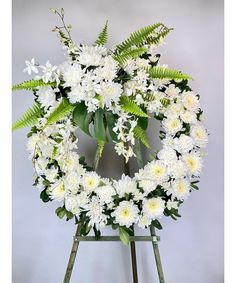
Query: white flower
x=72, y=181
x=172, y=91
x=51, y=174
x=90, y=181
x=72, y=75
x=109, y=69
x=125, y=185
x=183, y=144
x=95, y=212
x=181, y=189
x=167, y=155
x=77, y=94
x=153, y=207
x=31, y=67
x=105, y=193
x=193, y=162
x=71, y=204
x=188, y=116
x=91, y=55
x=177, y=169
x=126, y=213
x=172, y=125
x=199, y=135
x=57, y=191
x=46, y=96
x=32, y=142
x=144, y=221
x=49, y=72
x=110, y=92
x=157, y=170
x=168, y=141
x=172, y=204
x=83, y=199
x=190, y=101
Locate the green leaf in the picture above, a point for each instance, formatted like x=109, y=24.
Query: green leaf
x=61, y=212
x=69, y=215
x=103, y=36
x=63, y=109
x=82, y=117
x=131, y=53
x=124, y=236
x=138, y=37
x=156, y=224
x=29, y=118
x=163, y=72
x=44, y=196
x=111, y=119
x=131, y=107
x=32, y=85
x=99, y=127
x=140, y=134
x=143, y=122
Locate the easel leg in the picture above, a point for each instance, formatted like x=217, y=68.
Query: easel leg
x=157, y=257
x=134, y=262
x=73, y=253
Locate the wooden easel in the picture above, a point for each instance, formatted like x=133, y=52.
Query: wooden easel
x=152, y=238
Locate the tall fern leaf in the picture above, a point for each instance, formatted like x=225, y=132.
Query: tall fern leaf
x=162, y=33
x=140, y=134
x=29, y=118
x=163, y=72
x=31, y=85
x=131, y=107
x=60, y=112
x=137, y=37
x=128, y=54
x=103, y=36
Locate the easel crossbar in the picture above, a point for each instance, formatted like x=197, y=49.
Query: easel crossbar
x=116, y=239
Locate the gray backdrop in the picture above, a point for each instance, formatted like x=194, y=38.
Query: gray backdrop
x=192, y=247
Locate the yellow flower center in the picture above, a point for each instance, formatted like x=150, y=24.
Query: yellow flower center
x=192, y=163
x=153, y=205
x=125, y=213
x=158, y=171
x=182, y=187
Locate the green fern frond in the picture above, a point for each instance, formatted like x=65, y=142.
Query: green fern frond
x=150, y=97
x=131, y=107
x=131, y=53
x=138, y=37
x=60, y=112
x=163, y=72
x=31, y=85
x=103, y=36
x=29, y=118
x=164, y=31
x=140, y=134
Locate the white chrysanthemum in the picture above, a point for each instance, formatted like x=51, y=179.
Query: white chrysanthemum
x=91, y=55
x=173, y=110
x=51, y=174
x=109, y=69
x=90, y=181
x=157, y=170
x=71, y=204
x=105, y=193
x=57, y=191
x=83, y=199
x=72, y=181
x=167, y=155
x=76, y=94
x=125, y=185
x=72, y=74
x=32, y=142
x=181, y=189
x=199, y=135
x=168, y=142
x=172, y=125
x=193, y=162
x=144, y=182
x=110, y=92
x=188, y=116
x=183, y=144
x=95, y=212
x=172, y=204
x=190, y=101
x=153, y=207
x=126, y=213
x=172, y=91
x=144, y=221
x=46, y=96
x=177, y=169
